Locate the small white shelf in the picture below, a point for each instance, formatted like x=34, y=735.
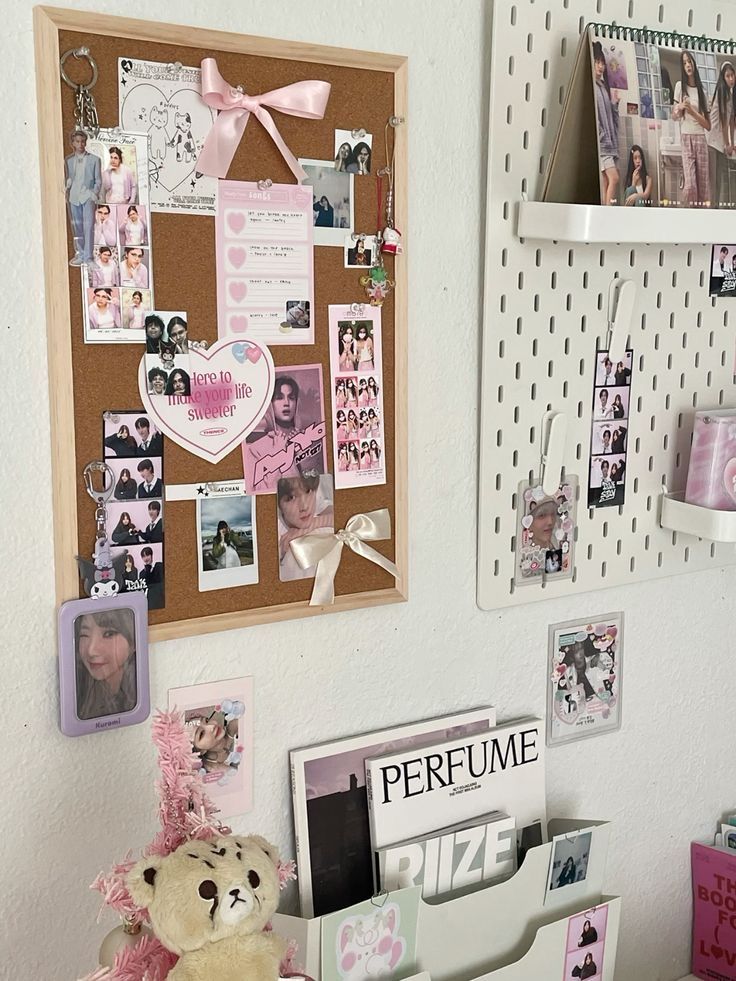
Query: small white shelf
x=548, y=221
x=691, y=519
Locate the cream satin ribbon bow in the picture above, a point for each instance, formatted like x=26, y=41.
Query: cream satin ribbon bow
x=325, y=551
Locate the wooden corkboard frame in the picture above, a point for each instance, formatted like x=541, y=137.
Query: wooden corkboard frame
x=367, y=88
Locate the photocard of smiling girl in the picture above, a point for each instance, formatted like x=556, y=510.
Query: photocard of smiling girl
x=304, y=507
x=545, y=531
x=103, y=663
x=219, y=720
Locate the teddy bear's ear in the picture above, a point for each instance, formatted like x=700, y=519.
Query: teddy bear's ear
x=271, y=850
x=141, y=880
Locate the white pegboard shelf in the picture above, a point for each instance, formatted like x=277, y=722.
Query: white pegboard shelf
x=551, y=222
x=690, y=519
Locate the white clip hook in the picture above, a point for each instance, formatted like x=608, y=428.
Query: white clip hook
x=621, y=296
x=554, y=433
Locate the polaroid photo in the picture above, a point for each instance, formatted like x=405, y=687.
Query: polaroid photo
x=332, y=201
x=103, y=663
x=545, y=533
x=611, y=404
x=568, y=865
x=136, y=305
x=722, y=270
x=227, y=546
x=127, y=434
x=142, y=566
x=304, y=506
x=290, y=438
x=610, y=375
x=218, y=718
x=360, y=251
x=585, y=673
x=353, y=153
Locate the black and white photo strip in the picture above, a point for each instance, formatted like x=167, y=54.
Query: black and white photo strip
x=609, y=430
x=168, y=370
x=133, y=449
x=722, y=270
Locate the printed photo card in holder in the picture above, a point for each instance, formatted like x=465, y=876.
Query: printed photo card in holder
x=545, y=534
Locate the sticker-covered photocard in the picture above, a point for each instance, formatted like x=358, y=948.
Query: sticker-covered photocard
x=584, y=678
x=353, y=153
x=305, y=506
x=722, y=270
x=103, y=663
x=130, y=434
x=332, y=201
x=164, y=101
x=289, y=441
x=360, y=251
x=226, y=536
x=569, y=860
x=218, y=718
x=545, y=534
x=265, y=262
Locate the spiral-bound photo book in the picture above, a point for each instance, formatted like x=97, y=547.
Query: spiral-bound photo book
x=648, y=121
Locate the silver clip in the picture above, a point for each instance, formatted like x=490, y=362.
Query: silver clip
x=103, y=494
x=382, y=896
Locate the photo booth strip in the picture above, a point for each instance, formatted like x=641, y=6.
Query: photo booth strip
x=265, y=262
x=610, y=431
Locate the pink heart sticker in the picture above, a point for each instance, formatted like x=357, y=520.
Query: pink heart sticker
x=238, y=325
x=236, y=221
x=236, y=256
x=729, y=478
x=237, y=291
x=227, y=400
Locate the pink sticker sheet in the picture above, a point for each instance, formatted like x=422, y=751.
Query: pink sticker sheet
x=358, y=422
x=585, y=947
x=265, y=263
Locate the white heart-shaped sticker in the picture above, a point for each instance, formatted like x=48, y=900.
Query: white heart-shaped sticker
x=229, y=393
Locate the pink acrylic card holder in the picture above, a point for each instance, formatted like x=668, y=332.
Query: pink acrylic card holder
x=711, y=475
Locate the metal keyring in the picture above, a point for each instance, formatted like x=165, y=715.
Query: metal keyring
x=108, y=481
x=79, y=53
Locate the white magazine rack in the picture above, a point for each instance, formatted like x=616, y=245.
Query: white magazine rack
x=505, y=932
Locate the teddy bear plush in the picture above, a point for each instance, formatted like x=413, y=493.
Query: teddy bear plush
x=209, y=902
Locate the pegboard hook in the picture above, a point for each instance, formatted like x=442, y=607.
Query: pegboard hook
x=621, y=296
x=554, y=432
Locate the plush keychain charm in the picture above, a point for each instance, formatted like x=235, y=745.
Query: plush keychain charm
x=377, y=285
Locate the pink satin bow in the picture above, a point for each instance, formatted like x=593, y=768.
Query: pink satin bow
x=307, y=99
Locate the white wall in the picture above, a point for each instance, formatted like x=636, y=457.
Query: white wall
x=72, y=806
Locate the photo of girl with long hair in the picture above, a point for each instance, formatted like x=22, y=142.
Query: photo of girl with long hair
x=691, y=110
x=638, y=181
x=722, y=137
x=104, y=645
x=607, y=105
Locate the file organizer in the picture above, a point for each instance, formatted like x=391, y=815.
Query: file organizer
x=504, y=932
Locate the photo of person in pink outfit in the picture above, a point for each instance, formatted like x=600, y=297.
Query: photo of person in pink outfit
x=118, y=182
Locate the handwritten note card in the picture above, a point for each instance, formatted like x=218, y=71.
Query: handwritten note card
x=265, y=263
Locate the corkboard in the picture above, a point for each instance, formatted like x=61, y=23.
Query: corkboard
x=103, y=377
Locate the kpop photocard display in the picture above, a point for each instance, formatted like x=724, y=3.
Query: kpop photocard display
x=545, y=535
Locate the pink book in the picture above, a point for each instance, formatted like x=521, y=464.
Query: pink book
x=714, y=912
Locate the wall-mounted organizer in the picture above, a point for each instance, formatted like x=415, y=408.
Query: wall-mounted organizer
x=85, y=380
x=504, y=932
x=545, y=312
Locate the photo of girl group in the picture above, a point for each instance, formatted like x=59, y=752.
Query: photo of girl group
x=111, y=229
x=586, y=937
x=218, y=719
x=609, y=431
x=723, y=270
x=584, y=688
x=133, y=449
x=665, y=123
x=357, y=404
x=352, y=153
x=168, y=370
x=545, y=532
x=305, y=507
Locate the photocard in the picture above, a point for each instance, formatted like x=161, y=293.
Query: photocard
x=332, y=201
x=133, y=223
x=545, y=532
x=353, y=153
x=136, y=307
x=135, y=267
x=569, y=860
x=103, y=663
x=610, y=375
x=584, y=678
x=611, y=404
x=360, y=251
x=218, y=718
x=290, y=438
x=227, y=546
x=304, y=506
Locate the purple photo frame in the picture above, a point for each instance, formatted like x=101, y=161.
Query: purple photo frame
x=101, y=687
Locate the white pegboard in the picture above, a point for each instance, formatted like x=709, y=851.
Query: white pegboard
x=545, y=308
